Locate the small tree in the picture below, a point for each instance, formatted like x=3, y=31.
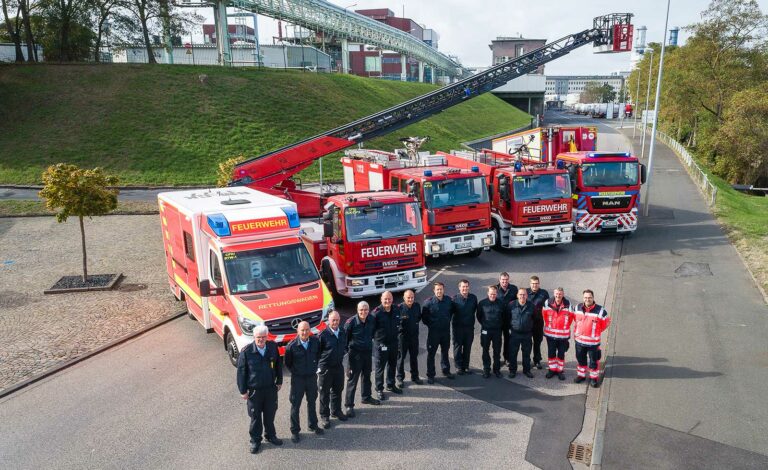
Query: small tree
x=227, y=169
x=72, y=191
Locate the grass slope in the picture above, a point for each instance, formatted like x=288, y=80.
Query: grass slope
x=161, y=125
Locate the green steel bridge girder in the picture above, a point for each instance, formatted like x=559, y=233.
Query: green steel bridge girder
x=319, y=15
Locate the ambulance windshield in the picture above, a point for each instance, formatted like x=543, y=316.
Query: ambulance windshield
x=268, y=268
x=455, y=192
x=609, y=174
x=539, y=187
x=377, y=223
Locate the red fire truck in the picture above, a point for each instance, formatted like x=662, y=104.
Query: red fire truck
x=235, y=256
x=369, y=242
x=542, y=144
x=606, y=188
x=531, y=204
x=455, y=209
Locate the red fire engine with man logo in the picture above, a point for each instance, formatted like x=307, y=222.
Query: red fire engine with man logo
x=235, y=256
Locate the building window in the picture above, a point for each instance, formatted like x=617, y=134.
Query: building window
x=373, y=64
x=390, y=60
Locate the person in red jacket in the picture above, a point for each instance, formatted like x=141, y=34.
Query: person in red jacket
x=558, y=317
x=591, y=320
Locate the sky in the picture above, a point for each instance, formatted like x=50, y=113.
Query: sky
x=466, y=28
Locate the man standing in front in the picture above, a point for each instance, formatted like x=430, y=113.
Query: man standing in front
x=386, y=320
x=463, y=324
x=507, y=294
x=591, y=320
x=330, y=376
x=521, y=322
x=436, y=314
x=557, y=328
x=358, y=331
x=491, y=313
x=538, y=297
x=408, y=339
x=259, y=378
x=301, y=358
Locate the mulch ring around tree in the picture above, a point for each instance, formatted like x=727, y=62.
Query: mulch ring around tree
x=76, y=284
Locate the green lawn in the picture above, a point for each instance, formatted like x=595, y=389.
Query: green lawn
x=158, y=125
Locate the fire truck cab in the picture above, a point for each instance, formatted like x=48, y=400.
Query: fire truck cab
x=530, y=204
x=455, y=209
x=369, y=242
x=606, y=188
x=236, y=257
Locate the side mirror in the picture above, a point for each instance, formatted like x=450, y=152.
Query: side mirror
x=643, y=174
x=327, y=215
x=327, y=229
x=207, y=291
x=431, y=217
x=410, y=186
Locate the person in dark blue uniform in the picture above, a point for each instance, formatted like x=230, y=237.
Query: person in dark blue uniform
x=463, y=325
x=408, y=337
x=491, y=314
x=330, y=376
x=436, y=313
x=538, y=297
x=520, y=338
x=506, y=293
x=301, y=358
x=386, y=320
x=358, y=331
x=259, y=378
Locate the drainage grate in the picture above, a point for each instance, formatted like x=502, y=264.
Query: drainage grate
x=581, y=453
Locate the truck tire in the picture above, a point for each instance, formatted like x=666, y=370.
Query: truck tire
x=497, y=234
x=232, y=350
x=475, y=253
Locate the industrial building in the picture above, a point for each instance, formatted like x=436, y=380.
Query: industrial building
x=526, y=92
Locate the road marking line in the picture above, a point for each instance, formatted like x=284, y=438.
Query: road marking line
x=429, y=281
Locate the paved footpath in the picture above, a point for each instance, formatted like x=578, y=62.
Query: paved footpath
x=689, y=365
x=37, y=331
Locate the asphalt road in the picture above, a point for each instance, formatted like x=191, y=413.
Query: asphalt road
x=168, y=398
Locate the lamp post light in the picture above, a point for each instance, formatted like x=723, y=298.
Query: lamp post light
x=655, y=115
x=647, y=99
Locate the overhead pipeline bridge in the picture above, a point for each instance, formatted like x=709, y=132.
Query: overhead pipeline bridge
x=332, y=20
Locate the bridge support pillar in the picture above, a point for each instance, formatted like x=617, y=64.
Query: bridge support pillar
x=222, y=32
x=344, y=56
x=421, y=71
x=403, y=70
x=433, y=74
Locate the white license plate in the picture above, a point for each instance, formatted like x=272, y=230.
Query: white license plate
x=610, y=223
x=461, y=245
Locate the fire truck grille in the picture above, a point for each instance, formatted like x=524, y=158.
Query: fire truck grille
x=392, y=263
x=611, y=202
x=284, y=326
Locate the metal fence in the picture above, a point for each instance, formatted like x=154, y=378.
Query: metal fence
x=699, y=177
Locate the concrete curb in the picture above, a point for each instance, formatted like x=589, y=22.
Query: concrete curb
x=58, y=368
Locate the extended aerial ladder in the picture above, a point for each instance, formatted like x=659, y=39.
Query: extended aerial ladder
x=273, y=171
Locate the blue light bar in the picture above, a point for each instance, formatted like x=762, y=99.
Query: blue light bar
x=560, y=164
x=427, y=172
x=475, y=169
x=518, y=166
x=293, y=216
x=219, y=225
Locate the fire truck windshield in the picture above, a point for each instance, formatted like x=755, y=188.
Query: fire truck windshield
x=455, y=192
x=538, y=187
x=268, y=268
x=377, y=223
x=609, y=174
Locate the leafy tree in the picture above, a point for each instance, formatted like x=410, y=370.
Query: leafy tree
x=743, y=138
x=12, y=27
x=596, y=93
x=101, y=11
x=65, y=32
x=72, y=191
x=226, y=169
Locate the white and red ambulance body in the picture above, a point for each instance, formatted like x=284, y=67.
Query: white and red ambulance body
x=236, y=257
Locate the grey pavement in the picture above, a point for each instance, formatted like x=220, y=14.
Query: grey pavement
x=689, y=366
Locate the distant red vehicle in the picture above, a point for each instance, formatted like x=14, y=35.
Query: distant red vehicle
x=628, y=110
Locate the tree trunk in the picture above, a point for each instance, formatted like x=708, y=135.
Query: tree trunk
x=143, y=18
x=31, y=53
x=13, y=34
x=82, y=237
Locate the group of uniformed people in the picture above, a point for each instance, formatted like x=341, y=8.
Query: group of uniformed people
x=512, y=320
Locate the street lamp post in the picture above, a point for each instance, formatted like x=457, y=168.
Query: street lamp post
x=634, y=108
x=655, y=115
x=647, y=99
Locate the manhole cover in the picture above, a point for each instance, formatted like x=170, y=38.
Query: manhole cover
x=131, y=287
x=693, y=269
x=581, y=453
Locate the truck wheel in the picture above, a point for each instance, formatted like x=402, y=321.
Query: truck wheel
x=475, y=253
x=497, y=234
x=232, y=351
